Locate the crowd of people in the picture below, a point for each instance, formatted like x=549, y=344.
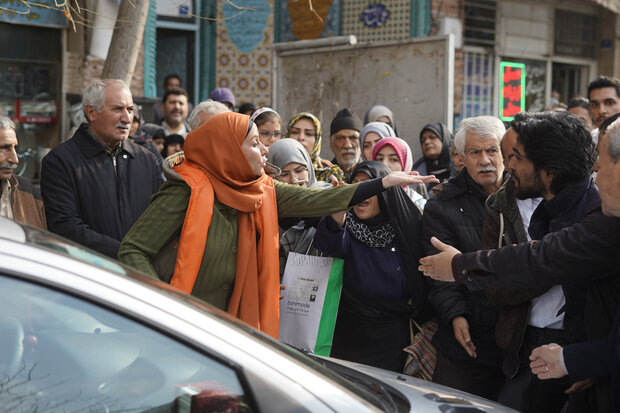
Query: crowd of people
x=516, y=239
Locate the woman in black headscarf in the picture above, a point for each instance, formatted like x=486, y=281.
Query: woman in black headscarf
x=379, y=240
x=435, y=139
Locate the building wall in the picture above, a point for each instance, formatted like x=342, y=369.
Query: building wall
x=243, y=51
x=392, y=22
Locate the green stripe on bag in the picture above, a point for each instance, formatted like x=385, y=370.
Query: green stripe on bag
x=325, y=334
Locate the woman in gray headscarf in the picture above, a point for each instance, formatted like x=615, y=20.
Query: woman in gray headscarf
x=296, y=235
x=372, y=133
x=380, y=113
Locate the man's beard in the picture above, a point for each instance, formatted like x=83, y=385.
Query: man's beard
x=533, y=190
x=348, y=164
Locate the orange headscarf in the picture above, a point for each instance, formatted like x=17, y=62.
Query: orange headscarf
x=216, y=166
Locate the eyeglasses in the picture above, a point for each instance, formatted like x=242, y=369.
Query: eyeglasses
x=267, y=134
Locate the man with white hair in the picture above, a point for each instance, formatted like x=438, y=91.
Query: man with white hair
x=19, y=199
x=467, y=355
x=98, y=183
x=583, y=252
x=205, y=111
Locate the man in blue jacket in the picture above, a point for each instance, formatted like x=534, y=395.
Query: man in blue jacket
x=97, y=184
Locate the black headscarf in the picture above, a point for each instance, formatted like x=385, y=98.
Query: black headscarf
x=404, y=217
x=439, y=167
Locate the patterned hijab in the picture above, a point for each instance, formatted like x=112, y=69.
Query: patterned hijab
x=321, y=173
x=399, y=219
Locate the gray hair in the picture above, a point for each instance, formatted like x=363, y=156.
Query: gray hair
x=6, y=123
x=613, y=131
x=94, y=94
x=208, y=106
x=486, y=127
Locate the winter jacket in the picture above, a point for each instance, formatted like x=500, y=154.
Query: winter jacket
x=456, y=216
x=585, y=251
x=94, y=198
x=151, y=245
x=26, y=203
x=513, y=304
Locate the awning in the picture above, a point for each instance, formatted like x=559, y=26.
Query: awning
x=613, y=5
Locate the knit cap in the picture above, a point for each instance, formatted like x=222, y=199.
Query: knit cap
x=345, y=119
x=224, y=95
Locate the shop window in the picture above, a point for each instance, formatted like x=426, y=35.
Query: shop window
x=477, y=84
x=575, y=34
x=480, y=18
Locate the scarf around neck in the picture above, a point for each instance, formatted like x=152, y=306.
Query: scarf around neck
x=215, y=167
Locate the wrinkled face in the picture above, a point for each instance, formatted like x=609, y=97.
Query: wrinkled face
x=8, y=156
x=431, y=145
x=175, y=109
x=295, y=174
x=159, y=144
x=528, y=183
x=254, y=152
x=483, y=161
x=388, y=156
x=303, y=131
x=608, y=179
x=369, y=143
x=269, y=132
x=345, y=144
x=508, y=142
x=604, y=102
x=113, y=123
x=174, y=148
x=584, y=115
x=368, y=208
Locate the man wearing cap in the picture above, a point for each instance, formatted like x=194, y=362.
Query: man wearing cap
x=224, y=95
x=345, y=140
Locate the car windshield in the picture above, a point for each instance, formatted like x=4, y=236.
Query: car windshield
x=380, y=395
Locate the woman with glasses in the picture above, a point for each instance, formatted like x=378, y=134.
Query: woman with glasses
x=268, y=122
x=306, y=129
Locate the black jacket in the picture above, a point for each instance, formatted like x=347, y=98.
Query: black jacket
x=599, y=358
x=586, y=251
x=87, y=199
x=456, y=216
x=566, y=208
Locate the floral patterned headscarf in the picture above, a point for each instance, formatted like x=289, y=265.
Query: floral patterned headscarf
x=322, y=173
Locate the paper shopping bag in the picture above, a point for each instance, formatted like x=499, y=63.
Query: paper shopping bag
x=310, y=305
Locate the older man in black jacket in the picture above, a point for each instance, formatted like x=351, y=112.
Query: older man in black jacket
x=468, y=358
x=97, y=184
x=585, y=251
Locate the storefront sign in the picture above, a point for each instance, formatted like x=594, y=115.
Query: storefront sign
x=37, y=13
x=511, y=90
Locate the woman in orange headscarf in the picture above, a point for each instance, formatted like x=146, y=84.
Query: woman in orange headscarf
x=212, y=229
